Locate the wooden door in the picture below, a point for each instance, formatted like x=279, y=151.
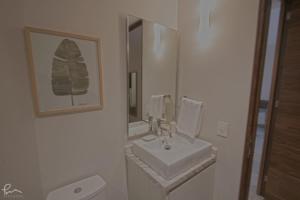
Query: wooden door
x=282, y=180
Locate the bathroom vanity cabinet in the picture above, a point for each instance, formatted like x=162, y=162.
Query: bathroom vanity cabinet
x=200, y=187
x=146, y=184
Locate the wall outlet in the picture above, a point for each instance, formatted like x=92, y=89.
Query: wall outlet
x=223, y=128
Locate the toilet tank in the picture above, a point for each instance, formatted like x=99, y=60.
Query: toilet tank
x=91, y=188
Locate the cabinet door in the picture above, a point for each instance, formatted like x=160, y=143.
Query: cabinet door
x=199, y=187
x=140, y=185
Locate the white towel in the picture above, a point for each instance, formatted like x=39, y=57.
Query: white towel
x=156, y=107
x=189, y=117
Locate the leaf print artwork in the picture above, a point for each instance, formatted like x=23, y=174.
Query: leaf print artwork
x=69, y=72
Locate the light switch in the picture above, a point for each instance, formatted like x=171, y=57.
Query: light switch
x=223, y=128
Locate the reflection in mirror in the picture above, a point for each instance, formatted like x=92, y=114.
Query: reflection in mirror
x=133, y=95
x=152, y=72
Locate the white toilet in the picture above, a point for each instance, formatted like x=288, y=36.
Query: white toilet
x=92, y=188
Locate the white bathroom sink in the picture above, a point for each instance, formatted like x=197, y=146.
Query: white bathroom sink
x=169, y=163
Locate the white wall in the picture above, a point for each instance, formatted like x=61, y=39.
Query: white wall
x=66, y=148
x=79, y=145
x=69, y=147
x=216, y=68
x=18, y=151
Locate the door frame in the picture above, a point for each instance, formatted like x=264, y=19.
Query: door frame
x=272, y=101
x=256, y=83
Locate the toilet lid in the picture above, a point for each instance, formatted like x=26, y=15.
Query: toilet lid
x=81, y=190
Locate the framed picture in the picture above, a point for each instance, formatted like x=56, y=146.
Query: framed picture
x=65, y=71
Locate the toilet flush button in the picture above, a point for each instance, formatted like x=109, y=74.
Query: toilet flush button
x=77, y=190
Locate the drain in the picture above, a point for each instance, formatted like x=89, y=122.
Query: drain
x=167, y=147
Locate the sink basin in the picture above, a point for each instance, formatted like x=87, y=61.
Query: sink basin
x=169, y=163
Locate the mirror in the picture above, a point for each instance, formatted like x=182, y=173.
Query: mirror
x=152, y=70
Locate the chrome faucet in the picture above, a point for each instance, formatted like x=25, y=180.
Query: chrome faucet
x=150, y=121
x=156, y=126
